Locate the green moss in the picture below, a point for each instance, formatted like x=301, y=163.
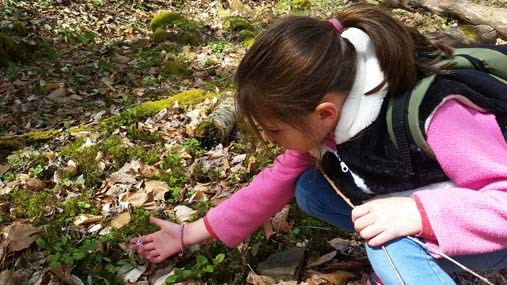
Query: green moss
x=175, y=68
x=184, y=99
x=469, y=31
x=20, y=28
x=85, y=157
x=301, y=5
x=79, y=205
x=208, y=134
x=160, y=35
x=31, y=204
x=237, y=23
x=247, y=37
x=115, y=151
x=188, y=38
x=9, y=50
x=165, y=19
x=11, y=143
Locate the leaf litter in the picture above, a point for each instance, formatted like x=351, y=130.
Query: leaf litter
x=102, y=68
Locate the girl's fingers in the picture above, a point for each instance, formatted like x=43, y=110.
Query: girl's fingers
x=370, y=232
x=362, y=222
x=158, y=222
x=381, y=239
x=360, y=211
x=149, y=246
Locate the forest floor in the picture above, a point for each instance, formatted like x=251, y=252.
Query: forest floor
x=97, y=124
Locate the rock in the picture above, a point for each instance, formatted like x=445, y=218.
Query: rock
x=284, y=265
x=467, y=35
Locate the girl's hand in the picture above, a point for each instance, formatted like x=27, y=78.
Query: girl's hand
x=382, y=220
x=158, y=246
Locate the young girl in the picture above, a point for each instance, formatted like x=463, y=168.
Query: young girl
x=319, y=88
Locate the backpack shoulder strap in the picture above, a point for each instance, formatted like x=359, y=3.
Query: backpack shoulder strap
x=403, y=121
x=489, y=59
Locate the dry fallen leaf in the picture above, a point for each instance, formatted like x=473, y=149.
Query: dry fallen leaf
x=66, y=277
x=121, y=220
x=21, y=236
x=334, y=278
x=322, y=259
x=279, y=221
x=6, y=277
x=84, y=219
x=185, y=214
x=256, y=279
x=268, y=229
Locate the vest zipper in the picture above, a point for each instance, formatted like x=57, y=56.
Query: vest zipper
x=343, y=166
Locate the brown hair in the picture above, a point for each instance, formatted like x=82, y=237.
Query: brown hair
x=299, y=59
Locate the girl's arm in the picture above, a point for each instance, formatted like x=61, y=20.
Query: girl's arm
x=472, y=217
x=234, y=219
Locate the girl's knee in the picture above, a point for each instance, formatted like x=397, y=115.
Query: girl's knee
x=304, y=189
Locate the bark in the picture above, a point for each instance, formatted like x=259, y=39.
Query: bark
x=217, y=127
x=464, y=10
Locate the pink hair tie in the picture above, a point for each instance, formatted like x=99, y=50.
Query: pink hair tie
x=336, y=24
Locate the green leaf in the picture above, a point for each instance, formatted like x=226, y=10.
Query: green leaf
x=201, y=259
x=209, y=268
x=68, y=260
x=55, y=264
x=186, y=273
x=78, y=255
x=219, y=258
x=41, y=243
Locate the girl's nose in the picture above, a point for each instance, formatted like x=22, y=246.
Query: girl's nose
x=267, y=137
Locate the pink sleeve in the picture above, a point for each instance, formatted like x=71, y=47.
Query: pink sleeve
x=234, y=219
x=472, y=217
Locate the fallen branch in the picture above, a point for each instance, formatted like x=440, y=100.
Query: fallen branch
x=467, y=11
x=217, y=127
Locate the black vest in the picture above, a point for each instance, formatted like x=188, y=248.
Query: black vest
x=374, y=160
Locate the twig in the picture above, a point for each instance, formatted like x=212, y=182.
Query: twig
x=347, y=200
x=435, y=251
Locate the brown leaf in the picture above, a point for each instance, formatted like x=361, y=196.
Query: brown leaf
x=268, y=230
x=334, y=278
x=322, y=259
x=279, y=221
x=21, y=236
x=256, y=279
x=7, y=277
x=57, y=93
x=84, y=219
x=4, y=168
x=184, y=213
x=66, y=277
x=157, y=189
x=121, y=220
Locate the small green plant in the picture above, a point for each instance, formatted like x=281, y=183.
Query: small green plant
x=193, y=147
x=8, y=177
x=136, y=134
x=31, y=204
x=202, y=268
x=152, y=80
x=65, y=252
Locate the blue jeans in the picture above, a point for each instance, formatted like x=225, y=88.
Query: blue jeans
x=315, y=197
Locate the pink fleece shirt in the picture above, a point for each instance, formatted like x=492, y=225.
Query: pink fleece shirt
x=467, y=219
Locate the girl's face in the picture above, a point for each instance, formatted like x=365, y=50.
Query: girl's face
x=290, y=137
x=317, y=126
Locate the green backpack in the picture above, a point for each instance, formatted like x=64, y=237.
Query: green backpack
x=403, y=124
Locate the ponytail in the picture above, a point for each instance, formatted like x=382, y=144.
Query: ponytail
x=396, y=45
